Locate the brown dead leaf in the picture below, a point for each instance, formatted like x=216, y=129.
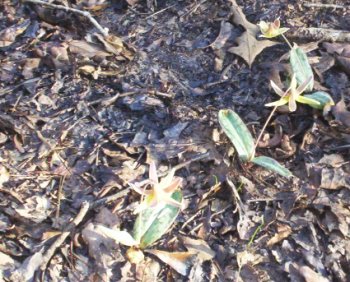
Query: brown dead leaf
x=283, y=231
x=92, y=5
x=200, y=246
x=3, y=138
x=147, y=271
x=248, y=46
x=8, y=71
x=339, y=213
x=89, y=70
x=103, y=247
x=344, y=62
x=36, y=209
x=135, y=255
x=115, y=45
x=309, y=275
x=132, y=2
x=119, y=236
x=341, y=52
x=50, y=234
x=333, y=160
x=250, y=258
x=341, y=113
x=4, y=175
x=26, y=271
x=179, y=261
x=8, y=35
x=7, y=266
x=342, y=49
x=86, y=49
x=334, y=179
x=224, y=35
x=30, y=65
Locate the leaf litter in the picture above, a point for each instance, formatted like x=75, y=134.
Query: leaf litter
x=83, y=114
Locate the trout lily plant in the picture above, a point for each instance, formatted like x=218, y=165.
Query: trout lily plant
x=157, y=211
x=243, y=141
x=302, y=80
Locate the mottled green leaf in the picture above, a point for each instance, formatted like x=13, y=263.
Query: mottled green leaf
x=273, y=165
x=160, y=225
x=301, y=67
x=238, y=133
x=144, y=220
x=321, y=98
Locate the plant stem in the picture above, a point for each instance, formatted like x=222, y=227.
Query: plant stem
x=266, y=123
x=287, y=41
x=274, y=109
x=257, y=230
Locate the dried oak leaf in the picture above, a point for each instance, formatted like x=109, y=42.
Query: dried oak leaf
x=341, y=52
x=86, y=49
x=224, y=35
x=8, y=35
x=341, y=114
x=179, y=261
x=248, y=46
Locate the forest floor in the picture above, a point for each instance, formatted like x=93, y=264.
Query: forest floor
x=84, y=114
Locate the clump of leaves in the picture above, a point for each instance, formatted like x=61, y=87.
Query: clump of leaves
x=243, y=141
x=158, y=209
x=302, y=78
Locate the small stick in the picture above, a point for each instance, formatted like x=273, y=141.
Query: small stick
x=321, y=5
x=59, y=196
x=160, y=11
x=317, y=33
x=59, y=241
x=111, y=198
x=186, y=163
x=103, y=31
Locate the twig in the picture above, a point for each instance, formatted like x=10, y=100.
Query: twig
x=14, y=87
x=111, y=198
x=181, y=165
x=316, y=34
x=160, y=11
x=239, y=203
x=103, y=31
x=13, y=194
x=321, y=5
x=59, y=195
x=59, y=241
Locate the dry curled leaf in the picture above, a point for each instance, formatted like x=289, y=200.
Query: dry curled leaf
x=8, y=35
x=4, y=175
x=179, y=261
x=341, y=114
x=224, y=35
x=283, y=231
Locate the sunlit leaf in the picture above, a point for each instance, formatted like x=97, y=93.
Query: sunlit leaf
x=120, y=236
x=144, y=220
x=179, y=261
x=273, y=165
x=238, y=133
x=160, y=225
x=301, y=67
x=319, y=100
